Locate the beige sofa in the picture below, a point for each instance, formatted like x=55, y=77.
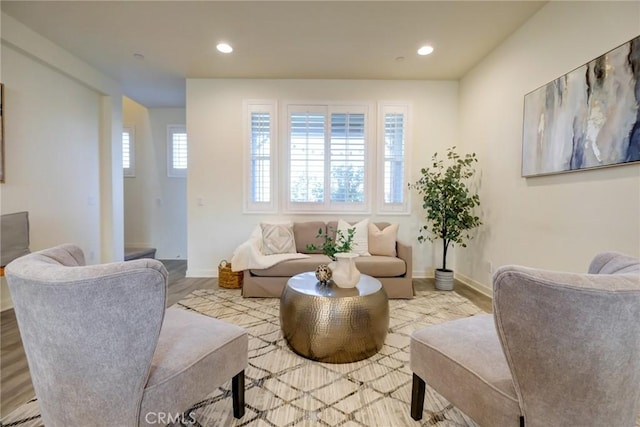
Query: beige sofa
x=393, y=272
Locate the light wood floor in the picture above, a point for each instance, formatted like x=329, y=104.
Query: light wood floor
x=15, y=381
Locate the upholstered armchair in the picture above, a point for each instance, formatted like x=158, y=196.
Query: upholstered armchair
x=561, y=349
x=103, y=350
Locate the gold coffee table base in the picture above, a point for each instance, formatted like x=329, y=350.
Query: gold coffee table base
x=331, y=324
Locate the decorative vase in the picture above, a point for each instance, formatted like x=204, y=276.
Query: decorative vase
x=345, y=273
x=444, y=279
x=323, y=274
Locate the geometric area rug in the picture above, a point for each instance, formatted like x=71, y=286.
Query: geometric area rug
x=283, y=389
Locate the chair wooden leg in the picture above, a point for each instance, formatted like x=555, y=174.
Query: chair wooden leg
x=237, y=390
x=417, y=397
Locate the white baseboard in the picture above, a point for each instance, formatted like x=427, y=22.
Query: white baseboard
x=202, y=273
x=477, y=286
x=429, y=274
x=483, y=289
x=480, y=287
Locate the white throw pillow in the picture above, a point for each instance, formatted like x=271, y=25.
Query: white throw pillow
x=383, y=242
x=277, y=239
x=360, y=243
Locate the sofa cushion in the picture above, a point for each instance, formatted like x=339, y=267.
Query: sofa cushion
x=360, y=242
x=479, y=379
x=376, y=266
x=292, y=267
x=277, y=239
x=211, y=349
x=382, y=240
x=381, y=266
x=305, y=233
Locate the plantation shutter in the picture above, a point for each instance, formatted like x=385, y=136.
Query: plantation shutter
x=126, y=160
x=347, y=157
x=394, y=157
x=393, y=144
x=128, y=152
x=177, y=150
x=307, y=157
x=260, y=157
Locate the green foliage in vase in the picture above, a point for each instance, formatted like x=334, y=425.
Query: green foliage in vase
x=448, y=200
x=332, y=246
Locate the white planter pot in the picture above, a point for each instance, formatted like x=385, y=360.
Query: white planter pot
x=444, y=280
x=344, y=272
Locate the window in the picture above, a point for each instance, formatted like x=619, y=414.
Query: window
x=128, y=152
x=260, y=148
x=347, y=157
x=176, y=151
x=306, y=157
x=392, y=156
x=332, y=159
x=327, y=158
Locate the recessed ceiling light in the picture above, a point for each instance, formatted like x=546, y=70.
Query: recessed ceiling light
x=425, y=50
x=224, y=48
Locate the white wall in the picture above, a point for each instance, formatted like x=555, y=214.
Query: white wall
x=559, y=221
x=51, y=149
x=155, y=206
x=214, y=126
x=59, y=143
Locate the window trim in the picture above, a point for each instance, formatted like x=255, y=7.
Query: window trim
x=280, y=130
x=328, y=107
x=250, y=106
x=171, y=171
x=382, y=207
x=130, y=172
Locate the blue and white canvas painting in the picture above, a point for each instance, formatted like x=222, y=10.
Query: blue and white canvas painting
x=588, y=118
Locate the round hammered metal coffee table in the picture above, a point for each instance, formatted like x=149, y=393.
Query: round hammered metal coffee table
x=334, y=325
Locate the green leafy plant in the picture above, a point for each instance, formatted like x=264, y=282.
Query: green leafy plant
x=332, y=246
x=448, y=200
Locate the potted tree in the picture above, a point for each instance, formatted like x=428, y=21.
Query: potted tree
x=448, y=202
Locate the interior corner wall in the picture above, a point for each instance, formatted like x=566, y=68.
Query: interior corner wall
x=155, y=211
x=558, y=221
x=216, y=223
x=63, y=144
x=51, y=155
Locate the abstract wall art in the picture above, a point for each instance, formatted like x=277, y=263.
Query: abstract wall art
x=588, y=118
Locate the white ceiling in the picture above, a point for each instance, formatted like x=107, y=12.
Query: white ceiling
x=286, y=39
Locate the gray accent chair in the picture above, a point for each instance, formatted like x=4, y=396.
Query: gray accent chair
x=561, y=349
x=103, y=350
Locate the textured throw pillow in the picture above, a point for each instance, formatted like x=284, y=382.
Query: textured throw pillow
x=360, y=244
x=277, y=239
x=383, y=242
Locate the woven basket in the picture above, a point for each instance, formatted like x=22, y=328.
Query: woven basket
x=227, y=278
